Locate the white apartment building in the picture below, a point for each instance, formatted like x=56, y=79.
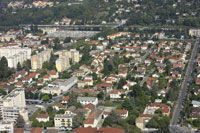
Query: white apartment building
x=60, y=86
x=15, y=55
x=38, y=59
x=13, y=105
x=72, y=54
x=6, y=127
x=87, y=100
x=63, y=121
x=62, y=64
x=194, y=32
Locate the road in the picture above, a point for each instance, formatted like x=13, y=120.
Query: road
x=176, y=113
x=142, y=61
x=146, y=77
x=146, y=54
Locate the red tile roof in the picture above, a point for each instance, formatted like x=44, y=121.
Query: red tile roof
x=18, y=130
x=19, y=83
x=42, y=116
x=89, y=121
x=90, y=106
x=121, y=111
x=145, y=115
x=33, y=75
x=36, y=130
x=46, y=77
x=52, y=72
x=164, y=108
x=65, y=98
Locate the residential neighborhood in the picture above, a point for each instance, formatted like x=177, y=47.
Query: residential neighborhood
x=99, y=66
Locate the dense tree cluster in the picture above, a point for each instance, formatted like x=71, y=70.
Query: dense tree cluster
x=5, y=72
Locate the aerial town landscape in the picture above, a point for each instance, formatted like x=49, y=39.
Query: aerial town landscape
x=99, y=66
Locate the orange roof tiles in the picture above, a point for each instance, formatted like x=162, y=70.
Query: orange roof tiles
x=121, y=111
x=65, y=98
x=145, y=115
x=42, y=116
x=36, y=130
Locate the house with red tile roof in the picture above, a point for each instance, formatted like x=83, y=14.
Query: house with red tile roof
x=123, y=113
x=34, y=75
x=23, y=73
x=104, y=86
x=89, y=91
x=12, y=81
x=142, y=120
x=42, y=117
x=126, y=86
x=58, y=106
x=18, y=130
x=100, y=47
x=165, y=109
x=27, y=79
x=120, y=93
x=19, y=84
x=123, y=73
x=17, y=75
x=93, y=118
x=47, y=78
x=53, y=74
x=40, y=83
x=65, y=100
x=115, y=47
x=90, y=106
x=36, y=130
x=198, y=81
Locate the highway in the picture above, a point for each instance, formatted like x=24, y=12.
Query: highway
x=174, y=123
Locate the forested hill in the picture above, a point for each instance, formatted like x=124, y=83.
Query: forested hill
x=137, y=12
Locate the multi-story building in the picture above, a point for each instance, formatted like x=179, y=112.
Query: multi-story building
x=87, y=100
x=72, y=54
x=63, y=121
x=62, y=64
x=60, y=86
x=38, y=59
x=13, y=105
x=6, y=127
x=15, y=55
x=75, y=55
x=194, y=32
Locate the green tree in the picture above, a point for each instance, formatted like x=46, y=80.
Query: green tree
x=49, y=109
x=77, y=120
x=107, y=122
x=196, y=122
x=67, y=40
x=61, y=111
x=45, y=98
x=100, y=95
x=114, y=116
x=19, y=67
x=20, y=122
x=3, y=67
x=127, y=105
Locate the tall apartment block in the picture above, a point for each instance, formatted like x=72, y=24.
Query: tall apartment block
x=63, y=62
x=13, y=105
x=38, y=59
x=15, y=55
